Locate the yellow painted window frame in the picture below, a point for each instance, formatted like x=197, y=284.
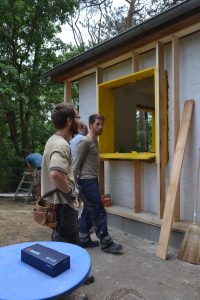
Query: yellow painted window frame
x=106, y=108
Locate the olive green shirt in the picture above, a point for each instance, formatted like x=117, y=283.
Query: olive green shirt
x=57, y=156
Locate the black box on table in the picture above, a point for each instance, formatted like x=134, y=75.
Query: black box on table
x=45, y=259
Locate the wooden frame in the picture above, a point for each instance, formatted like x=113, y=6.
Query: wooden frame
x=67, y=92
x=176, y=109
x=161, y=130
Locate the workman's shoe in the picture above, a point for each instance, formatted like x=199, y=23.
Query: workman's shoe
x=78, y=296
x=89, y=244
x=89, y=280
x=112, y=248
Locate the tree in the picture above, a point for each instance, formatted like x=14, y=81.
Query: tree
x=101, y=20
x=28, y=47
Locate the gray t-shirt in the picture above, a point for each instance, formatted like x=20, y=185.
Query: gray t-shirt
x=86, y=164
x=57, y=156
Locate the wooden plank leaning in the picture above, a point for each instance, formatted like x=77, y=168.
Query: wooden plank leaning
x=174, y=180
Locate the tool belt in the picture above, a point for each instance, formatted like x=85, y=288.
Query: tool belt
x=44, y=213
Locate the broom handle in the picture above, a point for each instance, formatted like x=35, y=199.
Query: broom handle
x=196, y=193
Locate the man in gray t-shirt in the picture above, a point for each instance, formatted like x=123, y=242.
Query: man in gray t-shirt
x=86, y=169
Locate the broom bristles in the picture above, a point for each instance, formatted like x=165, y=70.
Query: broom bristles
x=190, y=246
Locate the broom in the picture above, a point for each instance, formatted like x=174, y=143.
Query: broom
x=190, y=247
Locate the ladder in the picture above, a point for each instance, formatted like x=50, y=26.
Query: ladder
x=25, y=187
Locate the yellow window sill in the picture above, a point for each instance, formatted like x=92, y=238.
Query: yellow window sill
x=129, y=156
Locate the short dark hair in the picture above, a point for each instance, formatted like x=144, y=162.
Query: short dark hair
x=60, y=113
x=93, y=117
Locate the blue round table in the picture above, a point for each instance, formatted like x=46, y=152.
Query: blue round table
x=20, y=281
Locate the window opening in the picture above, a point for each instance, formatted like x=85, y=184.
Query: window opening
x=144, y=125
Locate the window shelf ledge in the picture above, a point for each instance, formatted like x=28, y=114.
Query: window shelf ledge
x=143, y=156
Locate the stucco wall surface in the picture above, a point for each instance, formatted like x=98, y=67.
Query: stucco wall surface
x=87, y=96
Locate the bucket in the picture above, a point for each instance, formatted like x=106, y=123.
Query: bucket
x=106, y=199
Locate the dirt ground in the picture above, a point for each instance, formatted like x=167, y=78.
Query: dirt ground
x=17, y=224
x=137, y=274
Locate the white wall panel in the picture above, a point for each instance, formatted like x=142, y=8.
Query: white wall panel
x=149, y=187
x=190, y=89
x=118, y=70
x=87, y=97
x=119, y=178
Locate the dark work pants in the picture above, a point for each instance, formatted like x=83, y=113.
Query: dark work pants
x=67, y=225
x=93, y=210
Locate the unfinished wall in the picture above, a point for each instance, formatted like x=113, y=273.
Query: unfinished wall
x=190, y=89
x=117, y=70
x=87, y=95
x=119, y=175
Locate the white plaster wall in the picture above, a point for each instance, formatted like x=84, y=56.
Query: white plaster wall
x=190, y=89
x=118, y=70
x=87, y=97
x=147, y=60
x=119, y=178
x=149, y=187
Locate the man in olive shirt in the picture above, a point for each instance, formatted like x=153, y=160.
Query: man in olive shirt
x=86, y=169
x=57, y=180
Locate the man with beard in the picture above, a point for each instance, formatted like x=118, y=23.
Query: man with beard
x=86, y=169
x=57, y=180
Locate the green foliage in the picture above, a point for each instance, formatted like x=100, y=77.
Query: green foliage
x=143, y=131
x=11, y=168
x=28, y=48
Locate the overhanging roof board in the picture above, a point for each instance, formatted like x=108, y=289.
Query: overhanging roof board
x=161, y=21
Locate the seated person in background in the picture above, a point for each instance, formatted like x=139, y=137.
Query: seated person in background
x=34, y=162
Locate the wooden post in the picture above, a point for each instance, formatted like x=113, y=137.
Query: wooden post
x=176, y=109
x=135, y=62
x=67, y=92
x=161, y=145
x=99, y=79
x=136, y=163
x=137, y=203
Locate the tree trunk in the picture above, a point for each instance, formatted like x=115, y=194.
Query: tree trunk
x=131, y=12
x=143, y=131
x=11, y=120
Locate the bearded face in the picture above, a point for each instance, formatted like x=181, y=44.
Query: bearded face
x=74, y=126
x=75, y=123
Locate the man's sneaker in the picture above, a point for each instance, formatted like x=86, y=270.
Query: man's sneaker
x=89, y=244
x=89, y=280
x=112, y=248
